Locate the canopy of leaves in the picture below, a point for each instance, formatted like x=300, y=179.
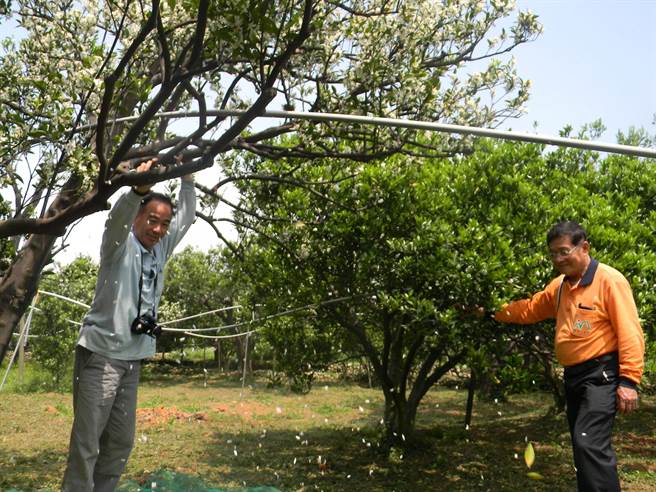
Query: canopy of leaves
x=86, y=63
x=409, y=244
x=81, y=91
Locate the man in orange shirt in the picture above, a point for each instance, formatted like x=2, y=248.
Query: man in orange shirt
x=600, y=343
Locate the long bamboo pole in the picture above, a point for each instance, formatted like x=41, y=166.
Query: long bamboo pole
x=421, y=125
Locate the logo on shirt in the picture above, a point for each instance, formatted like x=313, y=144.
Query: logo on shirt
x=582, y=327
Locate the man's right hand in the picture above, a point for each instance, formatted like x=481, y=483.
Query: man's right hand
x=142, y=168
x=475, y=310
x=627, y=399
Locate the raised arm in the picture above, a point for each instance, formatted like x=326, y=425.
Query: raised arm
x=185, y=215
x=121, y=217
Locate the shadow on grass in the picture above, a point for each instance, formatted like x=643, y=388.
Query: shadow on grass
x=450, y=458
x=170, y=373
x=26, y=472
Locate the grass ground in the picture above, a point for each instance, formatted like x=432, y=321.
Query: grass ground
x=325, y=440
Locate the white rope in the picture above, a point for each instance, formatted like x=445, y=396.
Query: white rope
x=198, y=315
x=40, y=311
x=64, y=298
x=221, y=337
x=195, y=331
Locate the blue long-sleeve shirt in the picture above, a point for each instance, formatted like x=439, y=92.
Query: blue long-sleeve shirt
x=123, y=260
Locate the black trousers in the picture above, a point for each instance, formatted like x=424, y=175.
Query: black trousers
x=591, y=389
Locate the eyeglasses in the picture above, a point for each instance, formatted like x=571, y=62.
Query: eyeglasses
x=151, y=221
x=564, y=253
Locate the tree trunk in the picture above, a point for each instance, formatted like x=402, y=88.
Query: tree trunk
x=217, y=355
x=365, y=361
x=400, y=415
x=557, y=386
x=20, y=283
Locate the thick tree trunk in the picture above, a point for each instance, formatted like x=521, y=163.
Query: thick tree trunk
x=400, y=415
x=20, y=283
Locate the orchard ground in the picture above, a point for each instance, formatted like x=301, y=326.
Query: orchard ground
x=205, y=425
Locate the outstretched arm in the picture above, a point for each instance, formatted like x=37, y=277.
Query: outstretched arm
x=539, y=307
x=119, y=221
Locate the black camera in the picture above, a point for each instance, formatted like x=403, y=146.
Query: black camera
x=146, y=325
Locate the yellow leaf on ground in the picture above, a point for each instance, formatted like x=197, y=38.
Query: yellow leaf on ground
x=534, y=476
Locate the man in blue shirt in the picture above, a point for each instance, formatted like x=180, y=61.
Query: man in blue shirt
x=140, y=235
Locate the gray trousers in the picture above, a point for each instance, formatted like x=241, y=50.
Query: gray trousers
x=105, y=405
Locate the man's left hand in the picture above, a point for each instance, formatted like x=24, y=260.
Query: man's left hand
x=627, y=399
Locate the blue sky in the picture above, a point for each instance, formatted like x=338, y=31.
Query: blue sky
x=595, y=59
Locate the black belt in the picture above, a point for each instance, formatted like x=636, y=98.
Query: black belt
x=590, y=364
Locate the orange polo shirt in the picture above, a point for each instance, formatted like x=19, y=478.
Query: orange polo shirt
x=595, y=316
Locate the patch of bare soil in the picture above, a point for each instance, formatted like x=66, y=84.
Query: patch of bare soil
x=162, y=415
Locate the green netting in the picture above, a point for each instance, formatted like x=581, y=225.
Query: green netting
x=168, y=481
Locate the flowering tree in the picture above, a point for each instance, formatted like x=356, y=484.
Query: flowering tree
x=80, y=95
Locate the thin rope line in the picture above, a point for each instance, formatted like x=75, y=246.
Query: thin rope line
x=64, y=298
x=198, y=315
x=250, y=322
x=218, y=337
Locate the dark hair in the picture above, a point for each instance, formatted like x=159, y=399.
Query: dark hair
x=573, y=230
x=158, y=197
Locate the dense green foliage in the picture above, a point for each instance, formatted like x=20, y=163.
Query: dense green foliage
x=412, y=244
x=72, y=68
x=56, y=322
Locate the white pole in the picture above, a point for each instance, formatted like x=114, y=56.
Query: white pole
x=19, y=343
x=243, y=381
x=418, y=125
x=22, y=340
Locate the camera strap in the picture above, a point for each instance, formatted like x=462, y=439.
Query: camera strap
x=141, y=288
